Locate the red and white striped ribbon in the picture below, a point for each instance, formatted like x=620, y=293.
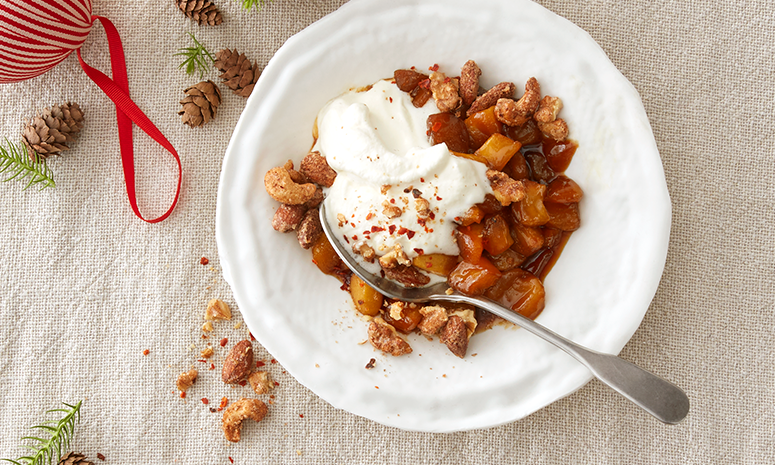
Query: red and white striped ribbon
x=35, y=35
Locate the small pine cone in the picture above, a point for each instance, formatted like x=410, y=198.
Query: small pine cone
x=74, y=459
x=200, y=104
x=237, y=72
x=49, y=132
x=201, y=11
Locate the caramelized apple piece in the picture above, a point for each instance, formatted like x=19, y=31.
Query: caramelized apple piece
x=540, y=169
x=517, y=168
x=408, y=79
x=411, y=317
x=531, y=211
x=520, y=291
x=473, y=215
x=420, y=96
x=481, y=125
x=474, y=278
x=470, y=240
x=367, y=300
x=448, y=129
x=498, y=150
x=490, y=205
x=527, y=240
x=527, y=134
x=563, y=216
x=559, y=154
x=497, y=237
x=506, y=260
x=563, y=190
x=324, y=256
x=552, y=236
x=435, y=263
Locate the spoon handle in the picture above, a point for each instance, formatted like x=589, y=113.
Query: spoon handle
x=663, y=400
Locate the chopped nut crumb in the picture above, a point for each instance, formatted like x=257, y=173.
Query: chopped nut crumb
x=207, y=327
x=261, y=382
x=217, y=310
x=391, y=211
x=207, y=352
x=371, y=364
x=204, y=261
x=187, y=379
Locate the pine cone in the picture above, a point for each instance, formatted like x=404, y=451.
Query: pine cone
x=201, y=11
x=237, y=72
x=49, y=132
x=74, y=459
x=200, y=104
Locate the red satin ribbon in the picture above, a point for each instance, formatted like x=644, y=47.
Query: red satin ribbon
x=127, y=112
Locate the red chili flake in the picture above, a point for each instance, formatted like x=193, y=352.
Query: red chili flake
x=392, y=228
x=366, y=233
x=377, y=229
x=315, y=262
x=447, y=79
x=100, y=456
x=412, y=67
x=421, y=221
x=402, y=230
x=212, y=410
x=352, y=224
x=432, y=215
x=301, y=415
x=276, y=383
x=204, y=336
x=204, y=261
x=419, y=251
x=422, y=179
x=391, y=99
x=243, y=383
x=251, y=337
x=202, y=360
x=436, y=126
x=392, y=200
x=410, y=234
x=205, y=401
x=212, y=366
x=260, y=363
x=345, y=239
x=435, y=67
x=425, y=84
x=231, y=460
x=224, y=341
x=376, y=387
x=428, y=132
x=355, y=237
x=369, y=216
x=458, y=219
x=224, y=402
x=273, y=361
x=271, y=396
x=183, y=395
x=438, y=198
x=146, y=352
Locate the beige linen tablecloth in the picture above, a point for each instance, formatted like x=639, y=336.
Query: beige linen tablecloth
x=87, y=287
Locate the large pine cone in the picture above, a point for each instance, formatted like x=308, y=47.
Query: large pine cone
x=49, y=132
x=238, y=73
x=201, y=11
x=74, y=459
x=200, y=104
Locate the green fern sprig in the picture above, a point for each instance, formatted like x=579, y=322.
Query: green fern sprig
x=19, y=164
x=61, y=431
x=196, y=58
x=248, y=4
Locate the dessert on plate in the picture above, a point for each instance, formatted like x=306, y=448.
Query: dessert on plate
x=429, y=177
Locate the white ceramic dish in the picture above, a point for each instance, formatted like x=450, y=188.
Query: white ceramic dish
x=597, y=293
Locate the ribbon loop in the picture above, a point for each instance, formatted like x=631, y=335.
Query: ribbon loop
x=127, y=112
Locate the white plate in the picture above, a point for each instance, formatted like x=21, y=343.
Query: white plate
x=597, y=293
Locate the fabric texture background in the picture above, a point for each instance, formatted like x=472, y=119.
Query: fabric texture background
x=86, y=286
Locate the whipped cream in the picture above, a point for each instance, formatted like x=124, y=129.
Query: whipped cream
x=376, y=141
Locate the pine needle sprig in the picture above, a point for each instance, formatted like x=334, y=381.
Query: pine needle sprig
x=258, y=4
x=19, y=164
x=196, y=58
x=61, y=432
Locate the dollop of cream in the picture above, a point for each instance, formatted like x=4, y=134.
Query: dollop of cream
x=376, y=140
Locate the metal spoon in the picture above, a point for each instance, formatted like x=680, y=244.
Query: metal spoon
x=663, y=400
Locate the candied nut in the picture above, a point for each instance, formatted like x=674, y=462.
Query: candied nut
x=316, y=199
x=507, y=112
x=237, y=412
x=295, y=175
x=207, y=352
x=384, y=188
x=385, y=338
x=557, y=129
x=505, y=189
x=366, y=252
x=423, y=207
x=341, y=219
x=490, y=98
x=315, y=167
x=455, y=336
x=281, y=187
x=408, y=276
x=238, y=362
x=390, y=210
x=217, y=310
x=434, y=317
x=396, y=310
x=469, y=318
x=394, y=258
x=207, y=327
x=261, y=382
x=185, y=380
x=310, y=229
x=469, y=82
x=548, y=109
x=287, y=217
x=445, y=92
